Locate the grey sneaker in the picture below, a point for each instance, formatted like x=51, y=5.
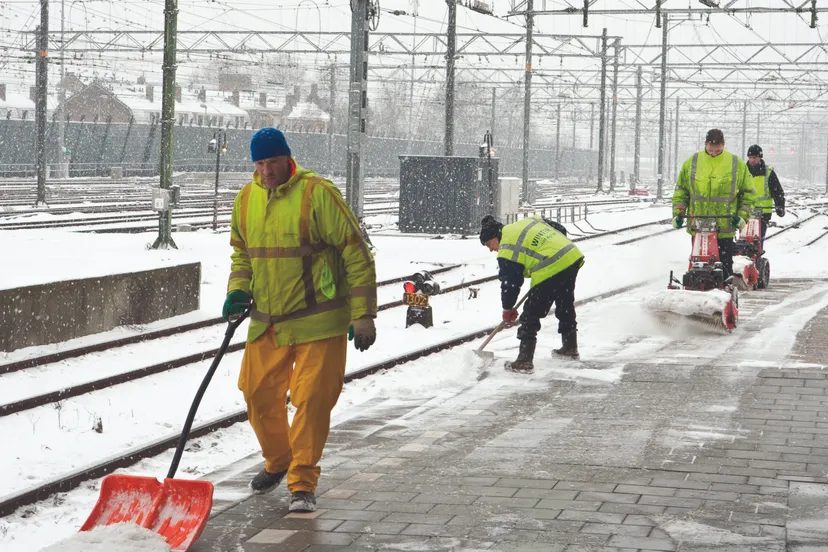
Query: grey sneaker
x=264, y=482
x=302, y=501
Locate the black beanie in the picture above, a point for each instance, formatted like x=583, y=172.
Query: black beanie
x=490, y=228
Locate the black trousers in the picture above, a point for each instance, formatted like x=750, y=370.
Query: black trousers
x=765, y=220
x=725, y=255
x=560, y=290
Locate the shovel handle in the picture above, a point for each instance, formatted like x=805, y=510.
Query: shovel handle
x=502, y=324
x=233, y=324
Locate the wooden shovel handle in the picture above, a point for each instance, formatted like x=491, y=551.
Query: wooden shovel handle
x=502, y=323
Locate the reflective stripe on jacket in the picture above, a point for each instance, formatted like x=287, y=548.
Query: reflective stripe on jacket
x=764, y=200
x=714, y=187
x=540, y=249
x=299, y=251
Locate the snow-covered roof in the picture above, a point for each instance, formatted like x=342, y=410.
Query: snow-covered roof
x=22, y=102
x=307, y=110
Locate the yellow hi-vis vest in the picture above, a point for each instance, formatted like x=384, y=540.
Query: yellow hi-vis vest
x=763, y=195
x=299, y=251
x=542, y=250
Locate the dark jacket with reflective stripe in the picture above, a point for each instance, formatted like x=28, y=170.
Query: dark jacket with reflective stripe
x=299, y=251
x=511, y=273
x=776, y=191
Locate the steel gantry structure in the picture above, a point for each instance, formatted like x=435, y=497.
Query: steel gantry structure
x=701, y=80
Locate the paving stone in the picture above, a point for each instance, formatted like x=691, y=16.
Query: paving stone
x=645, y=489
x=401, y=507
x=608, y=497
x=583, y=505
x=617, y=508
x=482, y=481
x=683, y=484
x=638, y=520
x=342, y=504
x=707, y=495
x=377, y=527
x=681, y=502
x=339, y=493
x=616, y=529
x=384, y=496
x=271, y=536
x=508, y=502
x=546, y=493
x=489, y=491
x=434, y=498
x=730, y=487
x=529, y=483
x=641, y=543
x=307, y=538
x=586, y=486
x=597, y=517
x=425, y=519
x=720, y=478
x=354, y=515
x=297, y=524
x=437, y=530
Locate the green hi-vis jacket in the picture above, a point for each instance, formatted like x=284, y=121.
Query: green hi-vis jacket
x=540, y=249
x=299, y=252
x=764, y=199
x=714, y=186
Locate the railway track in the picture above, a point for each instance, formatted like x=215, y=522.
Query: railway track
x=69, y=481
x=132, y=375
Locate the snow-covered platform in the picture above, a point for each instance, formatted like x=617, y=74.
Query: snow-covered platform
x=687, y=442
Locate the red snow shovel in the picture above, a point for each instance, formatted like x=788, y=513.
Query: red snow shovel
x=177, y=509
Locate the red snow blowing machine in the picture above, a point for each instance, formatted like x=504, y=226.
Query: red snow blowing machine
x=751, y=270
x=702, y=295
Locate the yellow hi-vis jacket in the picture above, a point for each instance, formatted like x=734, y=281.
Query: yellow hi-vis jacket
x=299, y=252
x=714, y=186
x=542, y=250
x=764, y=199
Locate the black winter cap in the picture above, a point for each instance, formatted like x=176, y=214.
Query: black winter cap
x=755, y=151
x=490, y=228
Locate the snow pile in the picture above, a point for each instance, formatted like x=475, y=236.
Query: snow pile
x=740, y=263
x=122, y=537
x=686, y=302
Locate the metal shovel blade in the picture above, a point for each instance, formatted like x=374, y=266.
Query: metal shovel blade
x=486, y=360
x=176, y=509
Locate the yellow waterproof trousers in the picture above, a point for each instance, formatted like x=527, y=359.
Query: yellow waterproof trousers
x=314, y=373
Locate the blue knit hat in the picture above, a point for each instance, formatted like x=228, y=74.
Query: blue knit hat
x=267, y=143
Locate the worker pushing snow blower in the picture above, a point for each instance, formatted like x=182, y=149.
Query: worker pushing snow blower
x=751, y=270
x=715, y=195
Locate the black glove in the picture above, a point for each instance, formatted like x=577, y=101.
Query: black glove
x=780, y=210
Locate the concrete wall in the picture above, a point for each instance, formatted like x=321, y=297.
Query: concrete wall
x=59, y=311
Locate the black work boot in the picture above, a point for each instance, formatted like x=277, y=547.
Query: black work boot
x=302, y=501
x=570, y=345
x=264, y=482
x=523, y=364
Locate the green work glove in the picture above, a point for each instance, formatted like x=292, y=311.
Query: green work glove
x=235, y=303
x=678, y=222
x=351, y=332
x=738, y=222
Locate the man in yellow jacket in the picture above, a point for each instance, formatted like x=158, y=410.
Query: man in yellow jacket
x=714, y=184
x=537, y=249
x=300, y=258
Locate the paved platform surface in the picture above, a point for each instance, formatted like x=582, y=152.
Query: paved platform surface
x=716, y=447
